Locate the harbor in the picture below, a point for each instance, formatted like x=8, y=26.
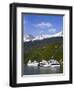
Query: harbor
x=44, y=67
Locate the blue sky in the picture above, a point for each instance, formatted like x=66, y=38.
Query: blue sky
x=42, y=24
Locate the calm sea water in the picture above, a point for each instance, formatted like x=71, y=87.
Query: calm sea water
x=32, y=70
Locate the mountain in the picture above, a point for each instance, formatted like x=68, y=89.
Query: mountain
x=28, y=38
x=43, y=49
x=42, y=43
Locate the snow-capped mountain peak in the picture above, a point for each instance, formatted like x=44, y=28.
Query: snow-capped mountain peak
x=28, y=38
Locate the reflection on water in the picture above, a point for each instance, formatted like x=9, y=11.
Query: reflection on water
x=32, y=70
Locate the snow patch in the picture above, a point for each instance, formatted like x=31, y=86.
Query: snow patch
x=28, y=38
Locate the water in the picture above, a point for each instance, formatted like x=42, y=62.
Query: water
x=33, y=70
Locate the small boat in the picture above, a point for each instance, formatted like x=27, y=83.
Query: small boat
x=34, y=63
x=50, y=63
x=43, y=63
x=46, y=65
x=53, y=63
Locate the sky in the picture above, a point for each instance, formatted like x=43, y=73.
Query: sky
x=34, y=24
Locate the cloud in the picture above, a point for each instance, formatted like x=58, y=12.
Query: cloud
x=43, y=25
x=52, y=30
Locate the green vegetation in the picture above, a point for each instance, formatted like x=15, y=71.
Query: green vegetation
x=45, y=52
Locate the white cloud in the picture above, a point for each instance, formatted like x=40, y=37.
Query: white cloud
x=52, y=30
x=43, y=25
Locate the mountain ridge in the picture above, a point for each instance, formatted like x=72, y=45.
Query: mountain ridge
x=29, y=37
